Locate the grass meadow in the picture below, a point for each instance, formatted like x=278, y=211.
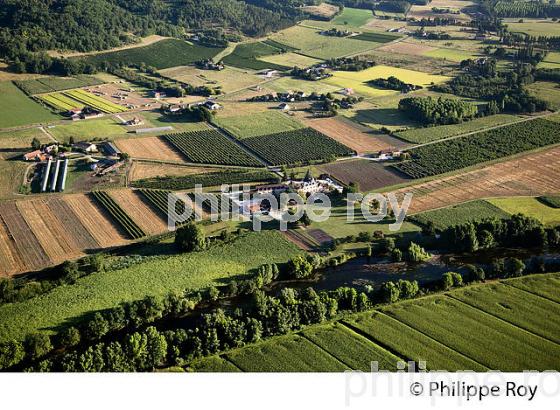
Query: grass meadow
x=17, y=109
x=429, y=134
x=157, y=276
x=257, y=124
x=460, y=214
x=529, y=206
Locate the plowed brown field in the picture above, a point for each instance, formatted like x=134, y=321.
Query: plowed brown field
x=359, y=138
x=154, y=148
x=528, y=175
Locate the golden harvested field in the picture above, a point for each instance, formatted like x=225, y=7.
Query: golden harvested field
x=38, y=233
x=528, y=175
x=95, y=220
x=358, y=80
x=41, y=231
x=154, y=148
x=143, y=170
x=139, y=211
x=359, y=138
x=322, y=10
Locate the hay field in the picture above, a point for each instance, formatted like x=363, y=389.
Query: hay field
x=154, y=148
x=358, y=80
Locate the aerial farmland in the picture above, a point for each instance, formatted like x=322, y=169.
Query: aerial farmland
x=163, y=166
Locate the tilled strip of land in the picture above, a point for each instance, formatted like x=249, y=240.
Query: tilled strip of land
x=529, y=175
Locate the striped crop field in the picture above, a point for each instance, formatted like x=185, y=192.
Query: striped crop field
x=74, y=99
x=124, y=220
x=510, y=325
x=211, y=147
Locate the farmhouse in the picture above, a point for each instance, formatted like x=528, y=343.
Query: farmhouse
x=388, y=154
x=86, y=147
x=212, y=105
x=285, y=107
x=110, y=149
x=34, y=156
x=271, y=188
x=134, y=122
x=86, y=114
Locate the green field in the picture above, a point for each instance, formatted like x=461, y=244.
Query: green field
x=213, y=364
x=297, y=146
x=460, y=327
x=460, y=214
x=157, y=276
x=286, y=84
x=455, y=55
x=529, y=312
x=529, y=206
x=246, y=56
x=358, y=81
x=163, y=54
x=311, y=43
x=90, y=129
x=21, y=139
x=547, y=91
x=535, y=27
x=291, y=353
x=262, y=123
x=352, y=349
x=463, y=152
x=18, y=109
x=51, y=84
x=353, y=17
x=429, y=134
x=546, y=286
x=507, y=326
x=411, y=344
x=290, y=60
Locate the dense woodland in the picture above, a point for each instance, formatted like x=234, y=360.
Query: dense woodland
x=28, y=28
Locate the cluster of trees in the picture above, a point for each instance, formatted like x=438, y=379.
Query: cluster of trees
x=428, y=110
x=14, y=290
x=334, y=32
x=518, y=231
x=357, y=63
x=504, y=88
x=393, y=83
x=396, y=6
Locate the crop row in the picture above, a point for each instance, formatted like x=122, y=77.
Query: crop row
x=451, y=155
x=95, y=102
x=211, y=179
x=459, y=326
x=159, y=199
x=52, y=84
x=211, y=147
x=297, y=146
x=212, y=203
x=131, y=228
x=60, y=102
